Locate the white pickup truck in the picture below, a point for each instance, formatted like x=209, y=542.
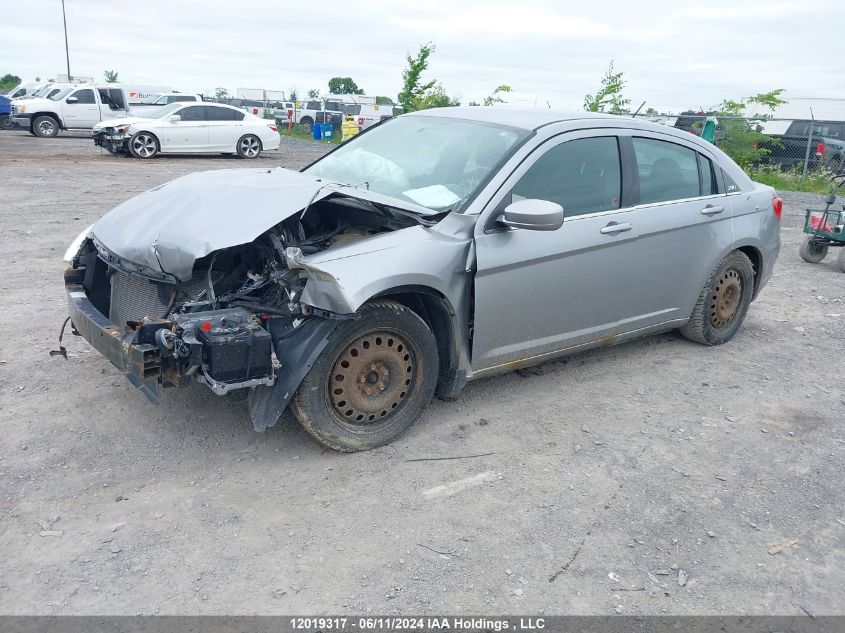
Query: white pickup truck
x=79, y=107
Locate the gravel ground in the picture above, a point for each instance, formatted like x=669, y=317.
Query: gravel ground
x=648, y=478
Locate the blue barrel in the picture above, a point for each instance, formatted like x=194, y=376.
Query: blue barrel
x=326, y=130
x=316, y=130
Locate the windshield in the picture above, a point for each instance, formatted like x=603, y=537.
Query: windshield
x=61, y=94
x=164, y=110
x=437, y=163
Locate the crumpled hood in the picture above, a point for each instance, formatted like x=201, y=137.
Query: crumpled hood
x=171, y=226
x=121, y=121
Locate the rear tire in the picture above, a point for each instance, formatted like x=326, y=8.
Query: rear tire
x=723, y=302
x=811, y=252
x=249, y=146
x=372, y=380
x=840, y=259
x=143, y=145
x=45, y=126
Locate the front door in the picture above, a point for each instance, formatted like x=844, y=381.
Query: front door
x=538, y=292
x=188, y=134
x=81, y=109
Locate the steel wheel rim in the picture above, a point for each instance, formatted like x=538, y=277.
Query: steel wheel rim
x=46, y=127
x=371, y=378
x=144, y=145
x=727, y=297
x=249, y=146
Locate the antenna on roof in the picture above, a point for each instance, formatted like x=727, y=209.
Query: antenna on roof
x=638, y=110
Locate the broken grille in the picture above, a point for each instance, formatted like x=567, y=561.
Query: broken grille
x=133, y=298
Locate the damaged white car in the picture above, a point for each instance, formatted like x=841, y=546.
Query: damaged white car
x=432, y=249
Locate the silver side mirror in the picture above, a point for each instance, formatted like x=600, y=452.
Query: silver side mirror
x=174, y=117
x=72, y=100
x=533, y=214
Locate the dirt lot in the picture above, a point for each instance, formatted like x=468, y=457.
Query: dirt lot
x=610, y=474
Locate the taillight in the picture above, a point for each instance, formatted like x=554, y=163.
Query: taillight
x=777, y=207
x=272, y=127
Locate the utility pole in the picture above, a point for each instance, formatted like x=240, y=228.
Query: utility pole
x=67, y=55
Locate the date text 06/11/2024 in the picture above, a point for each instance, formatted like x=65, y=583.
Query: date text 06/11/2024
x=430, y=623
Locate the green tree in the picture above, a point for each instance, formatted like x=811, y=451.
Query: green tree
x=435, y=97
x=221, y=93
x=413, y=89
x=609, y=96
x=8, y=81
x=344, y=86
x=742, y=135
x=384, y=101
x=110, y=76
x=293, y=94
x=495, y=98
x=313, y=93
x=651, y=111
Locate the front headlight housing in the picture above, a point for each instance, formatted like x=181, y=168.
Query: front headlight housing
x=20, y=108
x=122, y=129
x=73, y=250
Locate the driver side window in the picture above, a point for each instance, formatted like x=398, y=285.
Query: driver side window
x=582, y=175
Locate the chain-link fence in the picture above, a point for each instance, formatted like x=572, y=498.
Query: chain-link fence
x=801, y=146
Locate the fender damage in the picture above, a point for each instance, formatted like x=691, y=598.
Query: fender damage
x=237, y=278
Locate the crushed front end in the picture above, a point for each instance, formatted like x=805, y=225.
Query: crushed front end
x=112, y=138
x=235, y=322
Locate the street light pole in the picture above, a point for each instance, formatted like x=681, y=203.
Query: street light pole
x=67, y=55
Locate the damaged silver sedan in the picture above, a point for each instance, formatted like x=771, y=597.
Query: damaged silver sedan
x=433, y=249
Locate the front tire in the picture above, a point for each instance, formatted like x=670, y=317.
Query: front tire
x=6, y=122
x=723, y=302
x=810, y=251
x=249, y=146
x=143, y=145
x=372, y=380
x=45, y=126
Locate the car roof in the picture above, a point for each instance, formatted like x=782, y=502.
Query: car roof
x=530, y=119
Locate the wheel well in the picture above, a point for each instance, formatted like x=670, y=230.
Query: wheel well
x=756, y=260
x=433, y=308
x=52, y=115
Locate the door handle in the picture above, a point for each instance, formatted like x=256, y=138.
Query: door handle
x=615, y=227
x=711, y=210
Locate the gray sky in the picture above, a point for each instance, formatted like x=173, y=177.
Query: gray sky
x=674, y=54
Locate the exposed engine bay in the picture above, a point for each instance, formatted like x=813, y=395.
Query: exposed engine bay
x=219, y=326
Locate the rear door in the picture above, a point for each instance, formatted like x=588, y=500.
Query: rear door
x=683, y=221
x=112, y=103
x=225, y=127
x=188, y=134
x=80, y=109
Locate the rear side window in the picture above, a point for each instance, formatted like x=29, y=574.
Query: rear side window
x=352, y=109
x=583, y=176
x=213, y=113
x=176, y=99
x=667, y=171
x=84, y=96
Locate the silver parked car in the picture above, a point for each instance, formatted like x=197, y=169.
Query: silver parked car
x=435, y=248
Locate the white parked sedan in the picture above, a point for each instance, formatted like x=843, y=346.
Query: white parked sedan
x=189, y=128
